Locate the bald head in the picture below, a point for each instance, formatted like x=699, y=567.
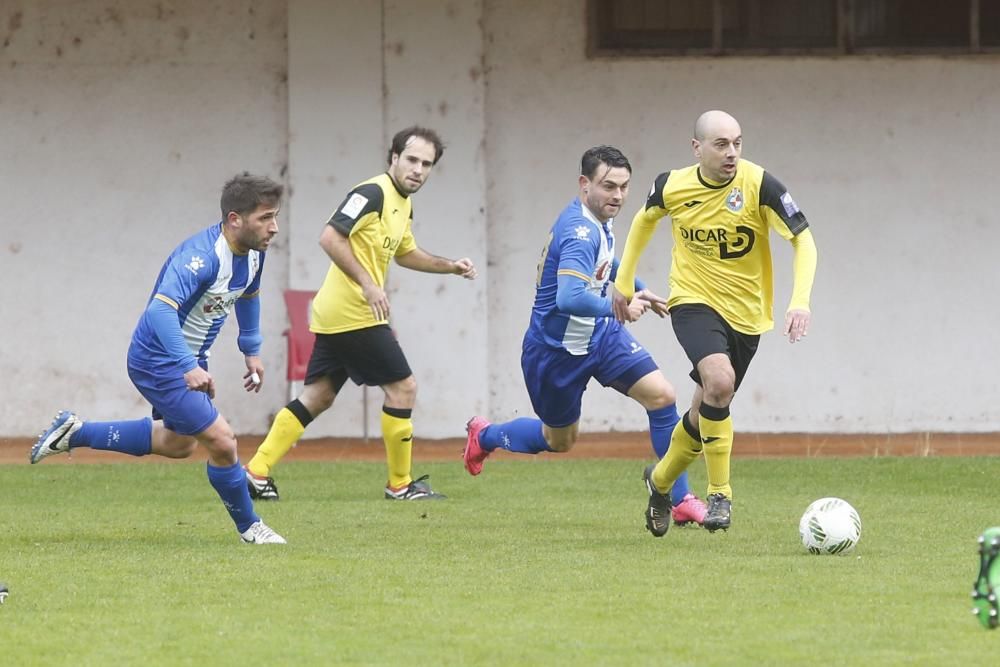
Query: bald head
x=715, y=123
x=718, y=144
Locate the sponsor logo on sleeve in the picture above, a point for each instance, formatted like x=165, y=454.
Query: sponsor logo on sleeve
x=582, y=232
x=354, y=205
x=791, y=208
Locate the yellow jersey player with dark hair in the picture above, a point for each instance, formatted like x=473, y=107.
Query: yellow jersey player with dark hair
x=722, y=210
x=350, y=313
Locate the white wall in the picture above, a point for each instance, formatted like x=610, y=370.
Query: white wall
x=119, y=122
x=356, y=78
x=883, y=155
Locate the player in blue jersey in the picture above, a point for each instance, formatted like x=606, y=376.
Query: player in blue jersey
x=573, y=335
x=205, y=277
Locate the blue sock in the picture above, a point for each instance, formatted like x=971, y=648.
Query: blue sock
x=231, y=485
x=661, y=426
x=522, y=435
x=133, y=437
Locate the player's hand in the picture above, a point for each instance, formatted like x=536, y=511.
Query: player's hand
x=636, y=307
x=619, y=306
x=656, y=303
x=377, y=301
x=254, y=377
x=198, y=379
x=465, y=268
x=796, y=324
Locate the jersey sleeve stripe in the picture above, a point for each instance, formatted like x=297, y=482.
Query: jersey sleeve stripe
x=167, y=300
x=570, y=272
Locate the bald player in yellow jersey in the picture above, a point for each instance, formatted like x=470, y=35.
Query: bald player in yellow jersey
x=721, y=210
x=350, y=316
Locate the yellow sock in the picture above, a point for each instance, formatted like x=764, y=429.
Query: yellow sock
x=397, y=432
x=683, y=450
x=716, y=428
x=289, y=425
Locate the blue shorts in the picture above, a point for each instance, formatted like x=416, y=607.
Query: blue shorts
x=162, y=384
x=556, y=379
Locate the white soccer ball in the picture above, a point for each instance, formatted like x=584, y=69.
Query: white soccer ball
x=830, y=526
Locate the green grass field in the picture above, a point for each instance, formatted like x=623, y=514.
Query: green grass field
x=535, y=562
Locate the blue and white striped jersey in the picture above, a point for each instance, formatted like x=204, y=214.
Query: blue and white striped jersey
x=202, y=279
x=579, y=245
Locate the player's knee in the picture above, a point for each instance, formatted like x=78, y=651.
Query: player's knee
x=403, y=393
x=221, y=445
x=719, y=388
x=663, y=397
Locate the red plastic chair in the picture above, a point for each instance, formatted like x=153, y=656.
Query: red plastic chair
x=300, y=340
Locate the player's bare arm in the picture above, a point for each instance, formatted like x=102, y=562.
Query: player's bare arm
x=420, y=260
x=338, y=248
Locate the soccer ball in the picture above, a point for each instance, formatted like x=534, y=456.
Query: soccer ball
x=830, y=526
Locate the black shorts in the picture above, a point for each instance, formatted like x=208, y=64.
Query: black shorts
x=369, y=356
x=701, y=331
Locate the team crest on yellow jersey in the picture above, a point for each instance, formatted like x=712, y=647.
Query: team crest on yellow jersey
x=734, y=202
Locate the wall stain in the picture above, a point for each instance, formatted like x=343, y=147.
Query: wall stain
x=443, y=108
x=114, y=16
x=15, y=21
x=15, y=247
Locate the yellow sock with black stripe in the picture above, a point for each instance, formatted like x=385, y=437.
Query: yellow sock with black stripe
x=397, y=433
x=716, y=429
x=685, y=446
x=289, y=425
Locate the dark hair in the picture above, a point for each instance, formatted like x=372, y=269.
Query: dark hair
x=403, y=136
x=608, y=155
x=244, y=192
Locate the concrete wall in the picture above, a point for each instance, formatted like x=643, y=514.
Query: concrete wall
x=883, y=155
x=119, y=121
x=357, y=76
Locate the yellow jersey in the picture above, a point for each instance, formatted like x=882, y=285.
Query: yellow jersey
x=376, y=217
x=721, y=250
